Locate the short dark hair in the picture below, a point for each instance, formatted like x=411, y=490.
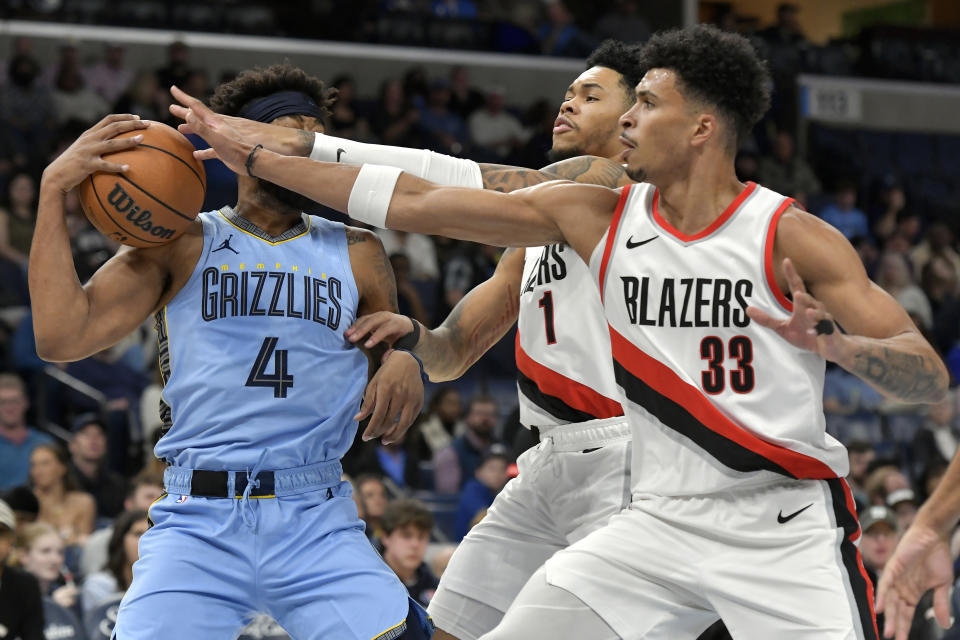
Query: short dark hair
x=146, y=477
x=716, y=67
x=859, y=446
x=231, y=97
x=622, y=58
x=406, y=511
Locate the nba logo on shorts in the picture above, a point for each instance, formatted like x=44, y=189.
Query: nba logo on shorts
x=182, y=499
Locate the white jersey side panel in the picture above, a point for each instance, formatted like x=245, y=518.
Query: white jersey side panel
x=715, y=401
x=564, y=371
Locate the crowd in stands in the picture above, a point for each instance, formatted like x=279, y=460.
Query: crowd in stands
x=76, y=470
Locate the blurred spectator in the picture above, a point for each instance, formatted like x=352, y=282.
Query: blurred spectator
x=942, y=288
x=371, y=497
x=446, y=127
x=892, y=201
x=395, y=120
x=397, y=461
x=40, y=550
x=177, y=68
x=747, y=166
x=787, y=29
x=860, y=454
x=478, y=492
x=145, y=489
x=496, y=129
x=559, y=36
x=893, y=275
x=69, y=56
x=62, y=506
x=464, y=99
x=123, y=551
x=850, y=406
x=938, y=243
x=787, y=173
x=74, y=100
x=345, y=121
x=26, y=107
x=624, y=23
x=25, y=506
x=418, y=249
x=197, y=84
x=936, y=442
x=17, y=219
x=143, y=97
x=455, y=464
x=880, y=535
x=110, y=77
x=441, y=423
x=843, y=213
x=415, y=86
x=903, y=503
x=406, y=532
x=408, y=298
x=883, y=481
x=88, y=450
x=21, y=607
x=468, y=267
x=17, y=440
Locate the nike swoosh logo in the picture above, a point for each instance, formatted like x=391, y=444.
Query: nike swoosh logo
x=340, y=152
x=633, y=245
x=782, y=518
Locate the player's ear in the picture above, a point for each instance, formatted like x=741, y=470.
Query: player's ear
x=707, y=128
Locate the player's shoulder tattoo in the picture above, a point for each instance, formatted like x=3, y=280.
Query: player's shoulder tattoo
x=355, y=235
x=305, y=142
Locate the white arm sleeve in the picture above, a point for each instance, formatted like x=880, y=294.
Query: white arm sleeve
x=435, y=167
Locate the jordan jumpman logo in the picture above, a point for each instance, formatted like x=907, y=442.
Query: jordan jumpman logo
x=226, y=245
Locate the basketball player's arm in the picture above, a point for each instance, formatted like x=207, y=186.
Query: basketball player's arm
x=73, y=321
x=478, y=321
x=425, y=164
x=394, y=395
x=881, y=345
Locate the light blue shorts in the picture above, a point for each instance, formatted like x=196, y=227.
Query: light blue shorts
x=209, y=565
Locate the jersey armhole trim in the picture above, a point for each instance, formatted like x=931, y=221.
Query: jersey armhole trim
x=768, y=256
x=611, y=237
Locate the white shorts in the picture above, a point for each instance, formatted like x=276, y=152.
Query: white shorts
x=561, y=495
x=774, y=562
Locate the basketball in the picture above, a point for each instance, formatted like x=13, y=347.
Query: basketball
x=157, y=199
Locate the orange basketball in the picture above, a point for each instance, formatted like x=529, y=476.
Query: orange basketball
x=157, y=199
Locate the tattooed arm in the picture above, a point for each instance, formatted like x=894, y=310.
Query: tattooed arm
x=881, y=344
x=394, y=394
x=584, y=169
x=478, y=321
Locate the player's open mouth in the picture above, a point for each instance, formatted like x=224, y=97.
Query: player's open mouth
x=562, y=125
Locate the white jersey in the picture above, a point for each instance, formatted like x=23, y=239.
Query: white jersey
x=564, y=372
x=715, y=401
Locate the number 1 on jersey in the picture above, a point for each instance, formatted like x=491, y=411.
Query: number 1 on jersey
x=546, y=303
x=280, y=380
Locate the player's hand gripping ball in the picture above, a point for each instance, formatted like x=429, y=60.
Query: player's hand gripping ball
x=153, y=202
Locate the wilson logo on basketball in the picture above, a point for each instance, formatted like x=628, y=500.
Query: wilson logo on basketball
x=124, y=204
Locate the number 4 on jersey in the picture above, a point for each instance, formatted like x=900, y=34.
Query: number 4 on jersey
x=280, y=380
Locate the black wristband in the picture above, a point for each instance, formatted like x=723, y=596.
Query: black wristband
x=824, y=327
x=410, y=340
x=423, y=374
x=249, y=163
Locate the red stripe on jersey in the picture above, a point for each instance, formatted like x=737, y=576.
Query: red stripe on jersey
x=768, y=256
x=666, y=382
x=716, y=224
x=612, y=235
x=852, y=508
x=577, y=395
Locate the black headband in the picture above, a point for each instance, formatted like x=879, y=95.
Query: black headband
x=283, y=103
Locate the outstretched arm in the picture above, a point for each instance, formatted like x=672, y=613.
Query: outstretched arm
x=821, y=270
x=422, y=163
x=478, y=321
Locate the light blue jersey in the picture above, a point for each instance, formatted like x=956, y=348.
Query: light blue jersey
x=252, y=350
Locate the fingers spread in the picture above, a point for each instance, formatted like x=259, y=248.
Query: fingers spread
x=794, y=281
x=113, y=117
x=941, y=606
x=762, y=318
x=369, y=397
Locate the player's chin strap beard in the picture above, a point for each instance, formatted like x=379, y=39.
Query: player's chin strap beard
x=252, y=482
